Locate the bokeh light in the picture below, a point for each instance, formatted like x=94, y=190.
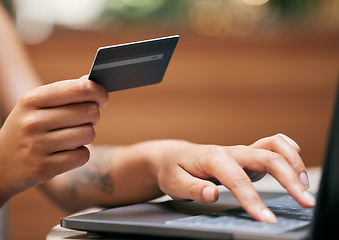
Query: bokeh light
x=211, y=18
x=233, y=17
x=255, y=2
x=208, y=18
x=36, y=18
x=77, y=13
x=133, y=9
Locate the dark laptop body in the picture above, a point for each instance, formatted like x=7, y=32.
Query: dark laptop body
x=151, y=219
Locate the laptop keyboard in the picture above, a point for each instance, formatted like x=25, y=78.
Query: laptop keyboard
x=290, y=216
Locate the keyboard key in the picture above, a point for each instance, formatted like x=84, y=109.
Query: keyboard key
x=290, y=216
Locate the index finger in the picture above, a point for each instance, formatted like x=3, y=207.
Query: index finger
x=276, y=165
x=68, y=92
x=234, y=178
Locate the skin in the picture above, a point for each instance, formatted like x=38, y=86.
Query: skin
x=13, y=83
x=44, y=142
x=182, y=170
x=51, y=125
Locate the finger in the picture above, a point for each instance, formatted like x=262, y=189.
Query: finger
x=69, y=138
x=67, y=92
x=276, y=165
x=286, y=147
x=291, y=142
x=233, y=177
x=283, y=145
x=68, y=116
x=67, y=160
x=219, y=163
x=285, y=175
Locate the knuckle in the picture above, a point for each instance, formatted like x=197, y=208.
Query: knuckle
x=210, y=156
x=83, y=156
x=89, y=133
x=31, y=123
x=28, y=99
x=193, y=189
x=274, y=162
x=276, y=139
x=298, y=149
x=36, y=145
x=213, y=151
x=274, y=157
x=75, y=158
x=93, y=112
x=239, y=182
x=81, y=88
x=279, y=135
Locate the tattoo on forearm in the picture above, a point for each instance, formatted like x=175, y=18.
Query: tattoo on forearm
x=95, y=175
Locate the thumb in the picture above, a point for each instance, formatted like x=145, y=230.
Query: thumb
x=192, y=188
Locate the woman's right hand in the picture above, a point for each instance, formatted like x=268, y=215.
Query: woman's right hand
x=46, y=132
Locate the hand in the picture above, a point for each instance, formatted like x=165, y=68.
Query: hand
x=186, y=169
x=46, y=132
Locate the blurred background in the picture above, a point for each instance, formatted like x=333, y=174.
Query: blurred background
x=242, y=70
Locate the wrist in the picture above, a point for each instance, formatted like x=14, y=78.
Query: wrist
x=5, y=192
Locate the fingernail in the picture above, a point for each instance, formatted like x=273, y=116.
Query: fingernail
x=304, y=179
x=208, y=194
x=309, y=198
x=268, y=216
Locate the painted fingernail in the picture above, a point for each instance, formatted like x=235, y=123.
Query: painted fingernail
x=208, y=194
x=268, y=216
x=309, y=198
x=304, y=179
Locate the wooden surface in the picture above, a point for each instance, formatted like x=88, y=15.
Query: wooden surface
x=220, y=91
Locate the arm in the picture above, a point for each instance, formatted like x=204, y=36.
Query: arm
x=113, y=176
x=182, y=170
x=17, y=74
x=28, y=139
x=130, y=174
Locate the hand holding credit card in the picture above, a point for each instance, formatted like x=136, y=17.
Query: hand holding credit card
x=134, y=64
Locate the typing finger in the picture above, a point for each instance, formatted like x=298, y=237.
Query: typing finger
x=286, y=147
x=233, y=177
x=276, y=165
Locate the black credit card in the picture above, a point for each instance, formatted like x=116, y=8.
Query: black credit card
x=133, y=64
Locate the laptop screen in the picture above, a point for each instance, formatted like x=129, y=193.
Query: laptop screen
x=326, y=221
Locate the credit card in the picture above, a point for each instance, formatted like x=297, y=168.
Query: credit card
x=131, y=65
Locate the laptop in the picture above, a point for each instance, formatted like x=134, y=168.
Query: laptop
x=225, y=219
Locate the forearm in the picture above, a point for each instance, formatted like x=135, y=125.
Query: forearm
x=183, y=170
x=113, y=176
x=17, y=74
